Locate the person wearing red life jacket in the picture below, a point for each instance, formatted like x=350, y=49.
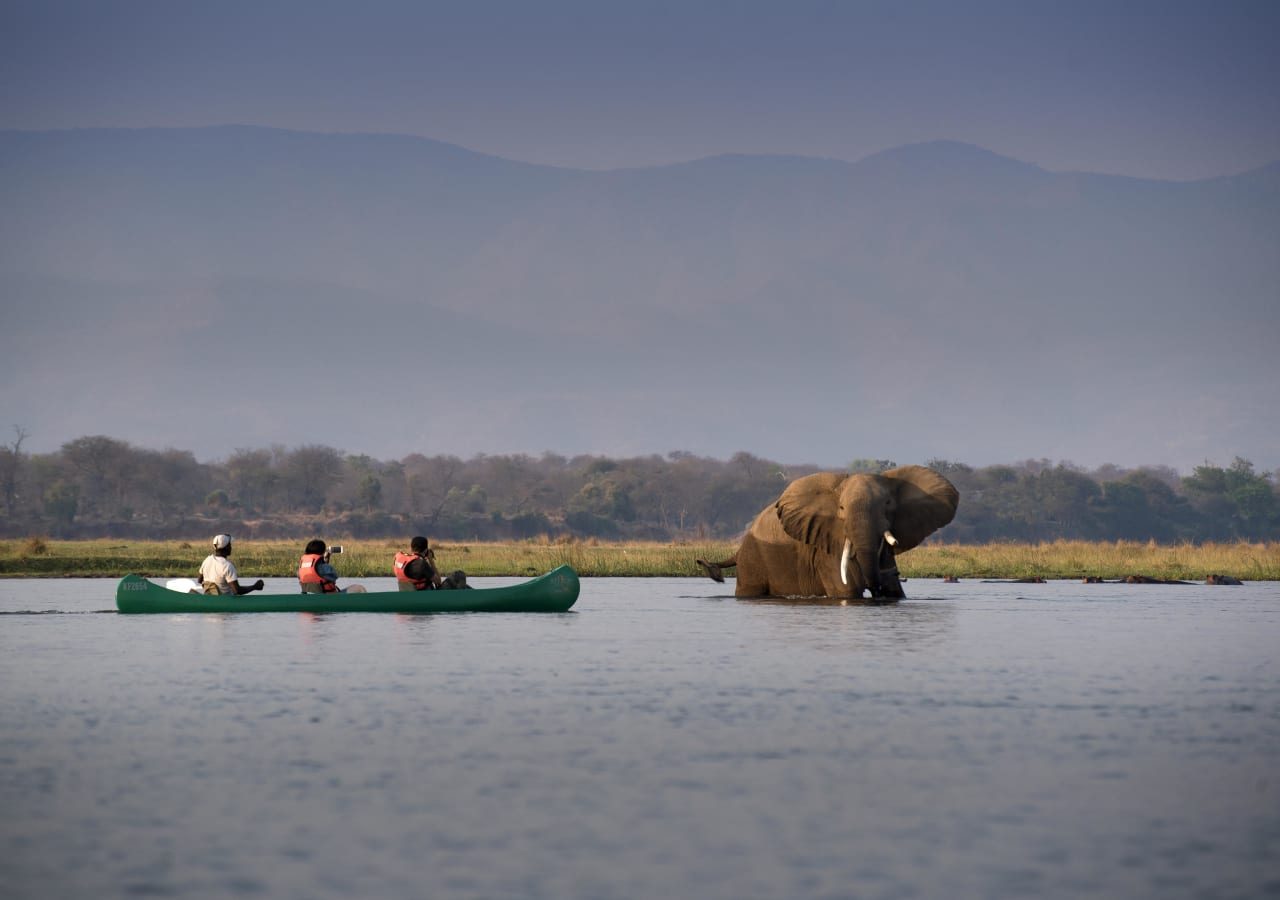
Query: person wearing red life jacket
x=315, y=574
x=415, y=570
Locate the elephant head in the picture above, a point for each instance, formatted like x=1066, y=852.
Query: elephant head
x=858, y=523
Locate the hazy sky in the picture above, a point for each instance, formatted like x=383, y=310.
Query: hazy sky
x=1169, y=90
x=1158, y=89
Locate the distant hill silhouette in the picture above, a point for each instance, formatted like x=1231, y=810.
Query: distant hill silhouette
x=935, y=299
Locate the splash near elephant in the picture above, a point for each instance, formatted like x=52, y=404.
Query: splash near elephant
x=836, y=535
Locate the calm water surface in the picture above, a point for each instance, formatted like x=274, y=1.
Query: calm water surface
x=660, y=740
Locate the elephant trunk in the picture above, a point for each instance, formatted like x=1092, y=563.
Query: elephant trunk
x=877, y=569
x=863, y=563
x=888, y=583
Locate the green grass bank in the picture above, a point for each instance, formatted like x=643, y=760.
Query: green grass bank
x=37, y=558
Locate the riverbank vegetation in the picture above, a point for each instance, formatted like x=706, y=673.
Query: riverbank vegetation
x=100, y=487
x=593, y=558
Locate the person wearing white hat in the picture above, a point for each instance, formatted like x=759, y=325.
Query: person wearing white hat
x=218, y=574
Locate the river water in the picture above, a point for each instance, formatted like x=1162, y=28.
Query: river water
x=660, y=740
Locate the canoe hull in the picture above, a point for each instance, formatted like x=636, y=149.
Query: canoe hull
x=555, y=591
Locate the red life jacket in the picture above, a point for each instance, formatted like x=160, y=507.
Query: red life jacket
x=403, y=559
x=307, y=573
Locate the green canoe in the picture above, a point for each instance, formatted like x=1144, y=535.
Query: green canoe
x=555, y=591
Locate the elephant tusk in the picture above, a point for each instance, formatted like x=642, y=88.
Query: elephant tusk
x=888, y=536
x=844, y=563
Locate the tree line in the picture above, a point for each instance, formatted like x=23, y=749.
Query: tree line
x=99, y=486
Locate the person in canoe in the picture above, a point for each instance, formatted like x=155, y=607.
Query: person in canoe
x=218, y=573
x=416, y=570
x=317, y=575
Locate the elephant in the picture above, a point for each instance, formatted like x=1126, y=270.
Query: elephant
x=837, y=535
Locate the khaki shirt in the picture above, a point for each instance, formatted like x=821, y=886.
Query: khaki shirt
x=219, y=571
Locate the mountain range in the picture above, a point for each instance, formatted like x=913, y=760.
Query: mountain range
x=218, y=288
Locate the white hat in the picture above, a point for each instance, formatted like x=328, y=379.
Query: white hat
x=221, y=541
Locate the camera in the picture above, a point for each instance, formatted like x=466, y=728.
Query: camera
x=336, y=548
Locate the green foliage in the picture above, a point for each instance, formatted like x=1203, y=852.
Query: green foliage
x=62, y=502
x=873, y=466
x=1238, y=502
x=11, y=463
x=590, y=525
x=99, y=486
x=1066, y=501
x=951, y=470
x=604, y=498
x=309, y=473
x=475, y=500
x=370, y=492
x=530, y=525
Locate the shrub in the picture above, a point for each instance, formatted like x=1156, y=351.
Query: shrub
x=35, y=546
x=590, y=525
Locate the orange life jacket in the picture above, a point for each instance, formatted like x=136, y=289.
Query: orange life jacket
x=403, y=559
x=307, y=573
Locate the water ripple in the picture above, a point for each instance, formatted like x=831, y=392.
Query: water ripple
x=660, y=742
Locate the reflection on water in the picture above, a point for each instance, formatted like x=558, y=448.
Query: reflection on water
x=661, y=739
x=845, y=627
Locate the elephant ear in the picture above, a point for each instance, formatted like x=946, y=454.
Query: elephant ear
x=926, y=502
x=809, y=510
